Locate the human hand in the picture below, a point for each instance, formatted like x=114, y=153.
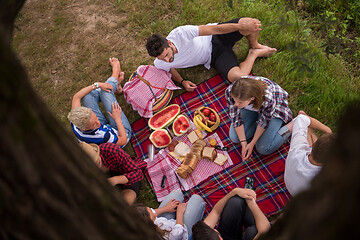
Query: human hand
x=246, y=150
x=172, y=205
x=181, y=208
x=116, y=111
x=106, y=87
x=250, y=201
x=189, y=86
x=245, y=193
x=249, y=24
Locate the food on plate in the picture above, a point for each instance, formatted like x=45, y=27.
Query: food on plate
x=181, y=149
x=213, y=142
x=164, y=117
x=191, y=159
x=209, y=153
x=180, y=125
x=172, y=145
x=160, y=138
x=220, y=159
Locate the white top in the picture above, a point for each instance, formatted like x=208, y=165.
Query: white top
x=176, y=231
x=192, y=49
x=298, y=170
x=250, y=107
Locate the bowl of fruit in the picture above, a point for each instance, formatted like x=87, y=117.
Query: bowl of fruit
x=206, y=119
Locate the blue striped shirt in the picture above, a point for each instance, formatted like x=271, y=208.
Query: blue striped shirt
x=103, y=134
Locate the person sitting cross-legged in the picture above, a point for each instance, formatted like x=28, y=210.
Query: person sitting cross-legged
x=260, y=115
x=87, y=120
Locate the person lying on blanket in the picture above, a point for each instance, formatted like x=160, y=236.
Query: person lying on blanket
x=211, y=45
x=305, y=158
x=87, y=120
x=259, y=111
x=174, y=219
x=124, y=172
x=237, y=211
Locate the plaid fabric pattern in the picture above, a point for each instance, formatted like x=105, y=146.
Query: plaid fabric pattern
x=274, y=106
x=268, y=171
x=164, y=164
x=139, y=95
x=118, y=161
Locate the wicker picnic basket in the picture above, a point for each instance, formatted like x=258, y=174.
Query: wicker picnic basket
x=217, y=122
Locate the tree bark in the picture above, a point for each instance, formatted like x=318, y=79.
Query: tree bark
x=49, y=188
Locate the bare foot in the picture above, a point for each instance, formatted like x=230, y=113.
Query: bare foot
x=115, y=64
x=260, y=46
x=119, y=88
x=262, y=52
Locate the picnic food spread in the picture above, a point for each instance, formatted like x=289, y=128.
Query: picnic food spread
x=205, y=119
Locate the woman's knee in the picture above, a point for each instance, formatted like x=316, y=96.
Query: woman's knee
x=197, y=200
x=264, y=148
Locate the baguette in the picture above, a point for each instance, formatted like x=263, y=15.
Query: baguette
x=191, y=159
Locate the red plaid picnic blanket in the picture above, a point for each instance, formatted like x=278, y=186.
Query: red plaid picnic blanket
x=138, y=94
x=268, y=171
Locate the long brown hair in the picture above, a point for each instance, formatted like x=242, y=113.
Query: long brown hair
x=246, y=88
x=141, y=209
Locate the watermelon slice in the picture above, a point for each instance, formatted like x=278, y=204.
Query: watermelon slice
x=164, y=117
x=160, y=138
x=180, y=125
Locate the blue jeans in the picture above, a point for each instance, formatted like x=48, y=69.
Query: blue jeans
x=92, y=99
x=270, y=140
x=194, y=209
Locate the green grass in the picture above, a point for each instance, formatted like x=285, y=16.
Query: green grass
x=321, y=92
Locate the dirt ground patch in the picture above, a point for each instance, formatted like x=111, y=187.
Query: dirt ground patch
x=65, y=45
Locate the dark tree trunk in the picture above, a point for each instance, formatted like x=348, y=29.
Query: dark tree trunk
x=49, y=188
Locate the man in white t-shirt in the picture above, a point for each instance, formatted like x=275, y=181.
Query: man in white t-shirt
x=307, y=152
x=210, y=45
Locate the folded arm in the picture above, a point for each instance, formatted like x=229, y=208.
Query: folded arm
x=215, y=213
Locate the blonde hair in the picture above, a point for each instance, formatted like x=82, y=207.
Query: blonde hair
x=92, y=150
x=80, y=117
x=246, y=88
